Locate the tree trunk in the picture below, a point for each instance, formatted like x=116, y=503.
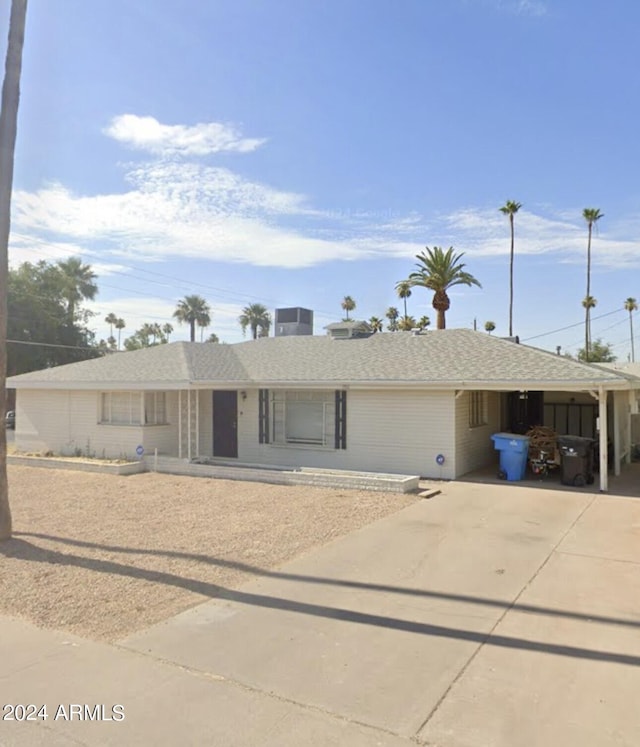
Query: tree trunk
x=587, y=315
x=511, y=280
x=8, y=130
x=441, y=304
x=192, y=325
x=633, y=352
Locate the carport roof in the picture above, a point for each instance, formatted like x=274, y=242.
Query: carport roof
x=443, y=359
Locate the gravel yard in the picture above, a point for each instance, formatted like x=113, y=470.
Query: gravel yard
x=103, y=556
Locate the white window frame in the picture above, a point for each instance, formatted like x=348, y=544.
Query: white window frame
x=155, y=412
x=138, y=412
x=286, y=402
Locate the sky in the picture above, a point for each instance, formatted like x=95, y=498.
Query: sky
x=293, y=152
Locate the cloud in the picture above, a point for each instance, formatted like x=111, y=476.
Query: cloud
x=177, y=208
x=485, y=232
x=529, y=7
x=535, y=8
x=146, y=133
x=31, y=248
x=189, y=210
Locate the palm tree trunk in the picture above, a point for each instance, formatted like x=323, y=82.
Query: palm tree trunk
x=8, y=131
x=633, y=352
x=587, y=315
x=405, y=307
x=511, y=280
x=192, y=325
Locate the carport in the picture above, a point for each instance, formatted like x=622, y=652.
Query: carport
x=603, y=412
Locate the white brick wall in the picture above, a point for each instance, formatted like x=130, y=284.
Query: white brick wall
x=474, y=447
x=66, y=421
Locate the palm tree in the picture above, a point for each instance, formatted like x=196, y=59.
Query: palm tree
x=403, y=289
x=423, y=322
x=8, y=130
x=119, y=324
x=406, y=324
x=256, y=317
x=489, y=326
x=348, y=304
x=167, y=329
x=631, y=305
x=156, y=331
x=438, y=271
x=510, y=208
x=591, y=215
x=193, y=310
x=146, y=332
x=77, y=283
x=111, y=319
x=392, y=315
x=376, y=324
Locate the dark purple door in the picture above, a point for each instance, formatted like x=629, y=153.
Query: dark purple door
x=225, y=424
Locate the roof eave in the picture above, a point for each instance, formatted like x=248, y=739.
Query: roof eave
x=112, y=386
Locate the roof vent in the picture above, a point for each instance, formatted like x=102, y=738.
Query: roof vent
x=348, y=330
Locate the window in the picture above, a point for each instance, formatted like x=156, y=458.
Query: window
x=154, y=408
x=126, y=408
x=477, y=414
x=121, y=408
x=306, y=418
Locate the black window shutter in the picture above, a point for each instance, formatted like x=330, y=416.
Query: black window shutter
x=263, y=416
x=341, y=420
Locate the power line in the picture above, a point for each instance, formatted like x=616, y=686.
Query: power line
x=232, y=294
x=570, y=326
x=57, y=345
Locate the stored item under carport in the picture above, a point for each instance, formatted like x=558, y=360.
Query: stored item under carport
x=576, y=454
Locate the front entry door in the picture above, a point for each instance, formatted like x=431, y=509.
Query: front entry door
x=225, y=424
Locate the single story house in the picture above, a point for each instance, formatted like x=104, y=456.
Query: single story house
x=404, y=402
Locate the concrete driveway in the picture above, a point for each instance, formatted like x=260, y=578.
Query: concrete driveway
x=488, y=615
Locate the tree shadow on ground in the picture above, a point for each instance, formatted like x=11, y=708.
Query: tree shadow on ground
x=24, y=550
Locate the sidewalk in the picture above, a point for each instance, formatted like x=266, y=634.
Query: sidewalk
x=487, y=615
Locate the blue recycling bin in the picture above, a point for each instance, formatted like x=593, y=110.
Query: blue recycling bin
x=514, y=450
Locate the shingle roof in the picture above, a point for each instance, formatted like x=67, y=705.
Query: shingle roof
x=457, y=358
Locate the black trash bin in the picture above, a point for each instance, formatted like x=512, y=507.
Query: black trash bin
x=576, y=456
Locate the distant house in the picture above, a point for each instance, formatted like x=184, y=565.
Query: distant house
x=399, y=402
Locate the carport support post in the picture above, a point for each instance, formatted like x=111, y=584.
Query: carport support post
x=602, y=420
x=179, y=423
x=189, y=424
x=631, y=409
x=616, y=434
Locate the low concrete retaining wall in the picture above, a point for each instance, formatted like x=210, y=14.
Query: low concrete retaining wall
x=126, y=468
x=389, y=483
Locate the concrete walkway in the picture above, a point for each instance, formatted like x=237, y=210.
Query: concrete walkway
x=488, y=615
